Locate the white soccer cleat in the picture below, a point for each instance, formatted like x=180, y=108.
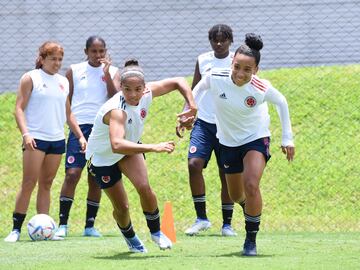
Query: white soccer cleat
x=13, y=236
x=227, y=230
x=135, y=245
x=62, y=231
x=198, y=226
x=161, y=240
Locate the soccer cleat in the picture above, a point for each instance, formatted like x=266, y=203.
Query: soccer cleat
x=135, y=245
x=161, y=240
x=92, y=232
x=62, y=231
x=57, y=238
x=198, y=226
x=249, y=248
x=227, y=230
x=13, y=236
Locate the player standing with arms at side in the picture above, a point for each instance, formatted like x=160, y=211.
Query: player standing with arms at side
x=113, y=149
x=92, y=83
x=243, y=129
x=203, y=139
x=40, y=114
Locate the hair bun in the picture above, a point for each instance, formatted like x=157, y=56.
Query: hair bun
x=254, y=41
x=131, y=62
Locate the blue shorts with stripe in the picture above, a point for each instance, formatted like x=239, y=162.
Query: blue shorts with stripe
x=232, y=157
x=203, y=141
x=74, y=158
x=105, y=176
x=50, y=147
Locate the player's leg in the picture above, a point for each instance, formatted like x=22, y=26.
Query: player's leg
x=32, y=162
x=134, y=168
x=201, y=145
x=92, y=207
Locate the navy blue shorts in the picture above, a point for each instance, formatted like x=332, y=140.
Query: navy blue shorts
x=74, y=158
x=50, y=147
x=105, y=176
x=232, y=157
x=203, y=141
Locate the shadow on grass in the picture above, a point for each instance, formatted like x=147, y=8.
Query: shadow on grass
x=129, y=256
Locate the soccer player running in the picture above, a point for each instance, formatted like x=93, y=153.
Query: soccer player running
x=92, y=83
x=113, y=149
x=203, y=140
x=243, y=129
x=41, y=112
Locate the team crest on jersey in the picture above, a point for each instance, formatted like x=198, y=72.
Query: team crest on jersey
x=61, y=87
x=143, y=113
x=192, y=149
x=103, y=78
x=105, y=179
x=250, y=101
x=71, y=159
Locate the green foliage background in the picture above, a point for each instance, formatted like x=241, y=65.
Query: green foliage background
x=319, y=191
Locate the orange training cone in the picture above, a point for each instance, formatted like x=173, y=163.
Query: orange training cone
x=167, y=222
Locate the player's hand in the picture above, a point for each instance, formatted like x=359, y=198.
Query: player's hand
x=107, y=62
x=289, y=151
x=167, y=147
x=29, y=143
x=185, y=120
x=83, y=144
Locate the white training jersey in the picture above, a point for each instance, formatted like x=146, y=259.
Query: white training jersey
x=45, y=112
x=208, y=61
x=99, y=146
x=90, y=91
x=240, y=114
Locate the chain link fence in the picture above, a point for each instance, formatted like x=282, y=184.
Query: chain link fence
x=166, y=37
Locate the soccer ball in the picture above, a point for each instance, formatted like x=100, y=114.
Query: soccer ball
x=41, y=227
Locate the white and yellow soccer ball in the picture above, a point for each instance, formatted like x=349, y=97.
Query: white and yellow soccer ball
x=41, y=227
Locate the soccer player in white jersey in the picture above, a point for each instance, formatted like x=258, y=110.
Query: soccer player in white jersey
x=40, y=114
x=203, y=140
x=113, y=149
x=243, y=129
x=92, y=83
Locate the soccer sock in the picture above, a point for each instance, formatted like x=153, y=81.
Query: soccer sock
x=153, y=220
x=92, y=208
x=65, y=206
x=251, y=226
x=18, y=220
x=200, y=205
x=128, y=231
x=227, y=212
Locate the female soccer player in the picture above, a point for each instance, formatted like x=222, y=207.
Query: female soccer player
x=92, y=83
x=203, y=139
x=40, y=114
x=243, y=129
x=113, y=149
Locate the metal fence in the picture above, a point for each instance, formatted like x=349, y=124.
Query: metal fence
x=166, y=37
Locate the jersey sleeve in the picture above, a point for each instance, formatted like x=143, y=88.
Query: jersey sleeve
x=200, y=89
x=272, y=95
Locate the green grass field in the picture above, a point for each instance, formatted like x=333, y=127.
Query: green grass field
x=319, y=192
x=278, y=251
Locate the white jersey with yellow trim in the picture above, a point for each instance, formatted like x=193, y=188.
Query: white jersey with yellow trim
x=207, y=61
x=240, y=118
x=99, y=146
x=90, y=90
x=45, y=112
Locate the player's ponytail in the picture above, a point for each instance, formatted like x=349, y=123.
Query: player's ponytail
x=253, y=45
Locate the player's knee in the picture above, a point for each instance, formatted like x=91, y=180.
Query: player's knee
x=121, y=211
x=195, y=166
x=144, y=189
x=72, y=177
x=251, y=188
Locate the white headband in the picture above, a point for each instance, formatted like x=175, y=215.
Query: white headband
x=131, y=73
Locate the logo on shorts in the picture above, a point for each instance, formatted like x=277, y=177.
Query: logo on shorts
x=71, y=159
x=143, y=113
x=105, y=179
x=250, y=101
x=226, y=166
x=192, y=149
